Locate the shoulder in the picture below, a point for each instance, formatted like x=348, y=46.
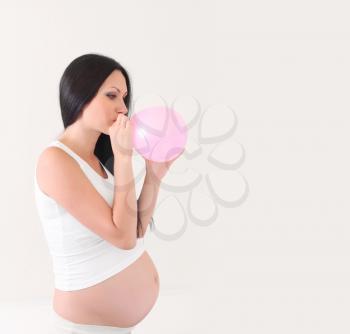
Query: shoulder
x=53, y=155
x=52, y=164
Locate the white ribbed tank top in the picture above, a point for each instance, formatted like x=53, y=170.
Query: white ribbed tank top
x=80, y=257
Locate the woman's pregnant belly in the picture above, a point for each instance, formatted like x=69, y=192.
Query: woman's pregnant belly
x=122, y=300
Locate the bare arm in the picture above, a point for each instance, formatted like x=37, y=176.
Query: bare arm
x=125, y=205
x=147, y=200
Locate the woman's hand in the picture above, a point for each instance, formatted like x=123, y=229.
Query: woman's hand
x=157, y=170
x=121, y=136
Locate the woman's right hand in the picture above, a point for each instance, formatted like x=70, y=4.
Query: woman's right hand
x=121, y=136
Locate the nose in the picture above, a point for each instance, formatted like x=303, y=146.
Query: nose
x=122, y=108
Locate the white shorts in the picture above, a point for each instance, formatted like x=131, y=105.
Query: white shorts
x=64, y=326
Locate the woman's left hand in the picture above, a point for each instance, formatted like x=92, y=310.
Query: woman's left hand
x=157, y=170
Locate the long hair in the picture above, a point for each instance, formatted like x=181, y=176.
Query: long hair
x=79, y=84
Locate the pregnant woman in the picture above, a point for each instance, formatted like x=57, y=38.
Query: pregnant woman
x=105, y=281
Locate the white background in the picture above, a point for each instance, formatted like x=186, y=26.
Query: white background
x=279, y=263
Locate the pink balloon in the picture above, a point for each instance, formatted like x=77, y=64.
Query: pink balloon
x=158, y=133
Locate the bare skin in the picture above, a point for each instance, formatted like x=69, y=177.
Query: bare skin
x=124, y=299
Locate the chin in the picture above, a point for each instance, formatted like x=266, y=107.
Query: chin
x=105, y=131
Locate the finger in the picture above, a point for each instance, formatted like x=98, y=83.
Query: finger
x=119, y=119
x=124, y=121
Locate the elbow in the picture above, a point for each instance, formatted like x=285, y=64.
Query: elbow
x=127, y=239
x=130, y=240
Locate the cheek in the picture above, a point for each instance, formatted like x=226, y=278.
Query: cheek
x=98, y=112
x=102, y=113
x=99, y=106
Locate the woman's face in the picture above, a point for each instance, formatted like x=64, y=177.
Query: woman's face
x=108, y=102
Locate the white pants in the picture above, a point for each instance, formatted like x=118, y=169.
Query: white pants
x=64, y=326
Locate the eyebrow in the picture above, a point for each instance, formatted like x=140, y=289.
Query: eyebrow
x=119, y=90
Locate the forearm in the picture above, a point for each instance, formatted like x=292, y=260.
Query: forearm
x=147, y=200
x=124, y=203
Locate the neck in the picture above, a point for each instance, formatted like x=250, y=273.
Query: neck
x=82, y=142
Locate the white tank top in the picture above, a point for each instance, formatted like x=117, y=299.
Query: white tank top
x=80, y=257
